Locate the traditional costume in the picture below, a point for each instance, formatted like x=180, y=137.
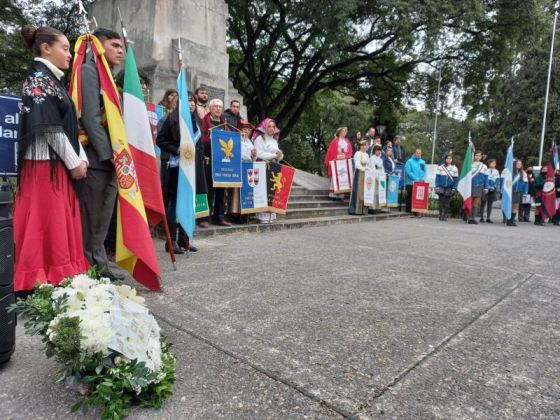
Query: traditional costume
x=446, y=185
x=361, y=164
x=267, y=147
x=47, y=225
x=338, y=147
x=376, y=163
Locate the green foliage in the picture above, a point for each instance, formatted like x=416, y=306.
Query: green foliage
x=16, y=59
x=114, y=382
x=284, y=53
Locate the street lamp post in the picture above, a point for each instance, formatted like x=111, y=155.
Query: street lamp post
x=436, y=118
x=547, y=87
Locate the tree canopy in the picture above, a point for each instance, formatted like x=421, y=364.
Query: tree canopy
x=282, y=53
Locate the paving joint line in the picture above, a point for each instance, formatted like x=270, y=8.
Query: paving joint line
x=277, y=378
x=381, y=391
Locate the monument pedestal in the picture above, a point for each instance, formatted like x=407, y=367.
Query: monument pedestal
x=155, y=27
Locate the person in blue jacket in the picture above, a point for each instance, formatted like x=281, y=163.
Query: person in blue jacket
x=446, y=185
x=520, y=186
x=415, y=170
x=479, y=185
x=494, y=182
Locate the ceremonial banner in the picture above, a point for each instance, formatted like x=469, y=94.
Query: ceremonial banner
x=254, y=191
x=369, y=187
x=341, y=180
x=382, y=189
x=420, y=196
x=9, y=122
x=201, y=206
x=226, y=158
x=135, y=248
x=141, y=141
x=549, y=191
x=399, y=170
x=280, y=179
x=393, y=191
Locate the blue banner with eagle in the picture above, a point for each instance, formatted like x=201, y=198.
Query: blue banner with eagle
x=226, y=158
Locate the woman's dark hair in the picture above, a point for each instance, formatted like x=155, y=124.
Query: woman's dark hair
x=478, y=152
x=165, y=95
x=34, y=37
x=489, y=161
x=448, y=155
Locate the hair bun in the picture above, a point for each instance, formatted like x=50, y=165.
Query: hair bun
x=28, y=33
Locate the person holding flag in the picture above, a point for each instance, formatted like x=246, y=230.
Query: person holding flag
x=479, y=182
x=519, y=186
x=105, y=140
x=98, y=191
x=493, y=191
x=464, y=186
x=507, y=178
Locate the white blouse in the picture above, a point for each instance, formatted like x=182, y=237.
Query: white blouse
x=267, y=147
x=361, y=161
x=247, y=147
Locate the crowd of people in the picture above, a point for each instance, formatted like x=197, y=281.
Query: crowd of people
x=486, y=181
x=65, y=210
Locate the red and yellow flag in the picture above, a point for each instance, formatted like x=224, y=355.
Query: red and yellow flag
x=135, y=249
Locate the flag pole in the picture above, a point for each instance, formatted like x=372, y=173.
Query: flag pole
x=547, y=87
x=124, y=34
x=436, y=117
x=82, y=11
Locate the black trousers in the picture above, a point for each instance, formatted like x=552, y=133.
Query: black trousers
x=216, y=196
x=444, y=204
x=409, y=198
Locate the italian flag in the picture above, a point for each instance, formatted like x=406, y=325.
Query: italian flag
x=465, y=181
x=141, y=141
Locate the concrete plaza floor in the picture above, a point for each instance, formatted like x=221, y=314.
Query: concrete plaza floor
x=406, y=318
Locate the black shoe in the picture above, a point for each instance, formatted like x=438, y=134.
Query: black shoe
x=176, y=248
x=538, y=223
x=481, y=220
x=473, y=222
x=193, y=248
x=489, y=221
x=511, y=223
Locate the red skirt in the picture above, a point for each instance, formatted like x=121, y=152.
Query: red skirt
x=47, y=227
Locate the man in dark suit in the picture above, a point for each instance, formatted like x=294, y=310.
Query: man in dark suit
x=98, y=191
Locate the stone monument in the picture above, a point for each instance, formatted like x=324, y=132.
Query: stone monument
x=155, y=26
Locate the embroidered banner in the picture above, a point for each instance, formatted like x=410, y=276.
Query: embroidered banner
x=420, y=196
x=393, y=191
x=369, y=187
x=341, y=180
x=254, y=191
x=280, y=179
x=226, y=158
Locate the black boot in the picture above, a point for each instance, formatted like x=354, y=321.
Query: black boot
x=176, y=248
x=538, y=220
x=511, y=222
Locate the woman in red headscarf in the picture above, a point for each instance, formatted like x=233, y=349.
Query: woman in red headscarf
x=340, y=148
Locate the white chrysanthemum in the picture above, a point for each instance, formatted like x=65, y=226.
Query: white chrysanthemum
x=74, y=298
x=130, y=293
x=99, y=299
x=82, y=282
x=96, y=332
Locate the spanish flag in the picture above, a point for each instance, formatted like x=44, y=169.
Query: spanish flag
x=135, y=249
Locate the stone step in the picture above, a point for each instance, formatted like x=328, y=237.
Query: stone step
x=304, y=191
x=318, y=212
x=282, y=224
x=313, y=204
x=305, y=197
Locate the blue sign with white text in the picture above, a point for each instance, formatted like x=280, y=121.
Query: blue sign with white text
x=226, y=158
x=9, y=122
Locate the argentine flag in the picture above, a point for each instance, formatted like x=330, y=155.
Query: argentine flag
x=507, y=183
x=186, y=194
